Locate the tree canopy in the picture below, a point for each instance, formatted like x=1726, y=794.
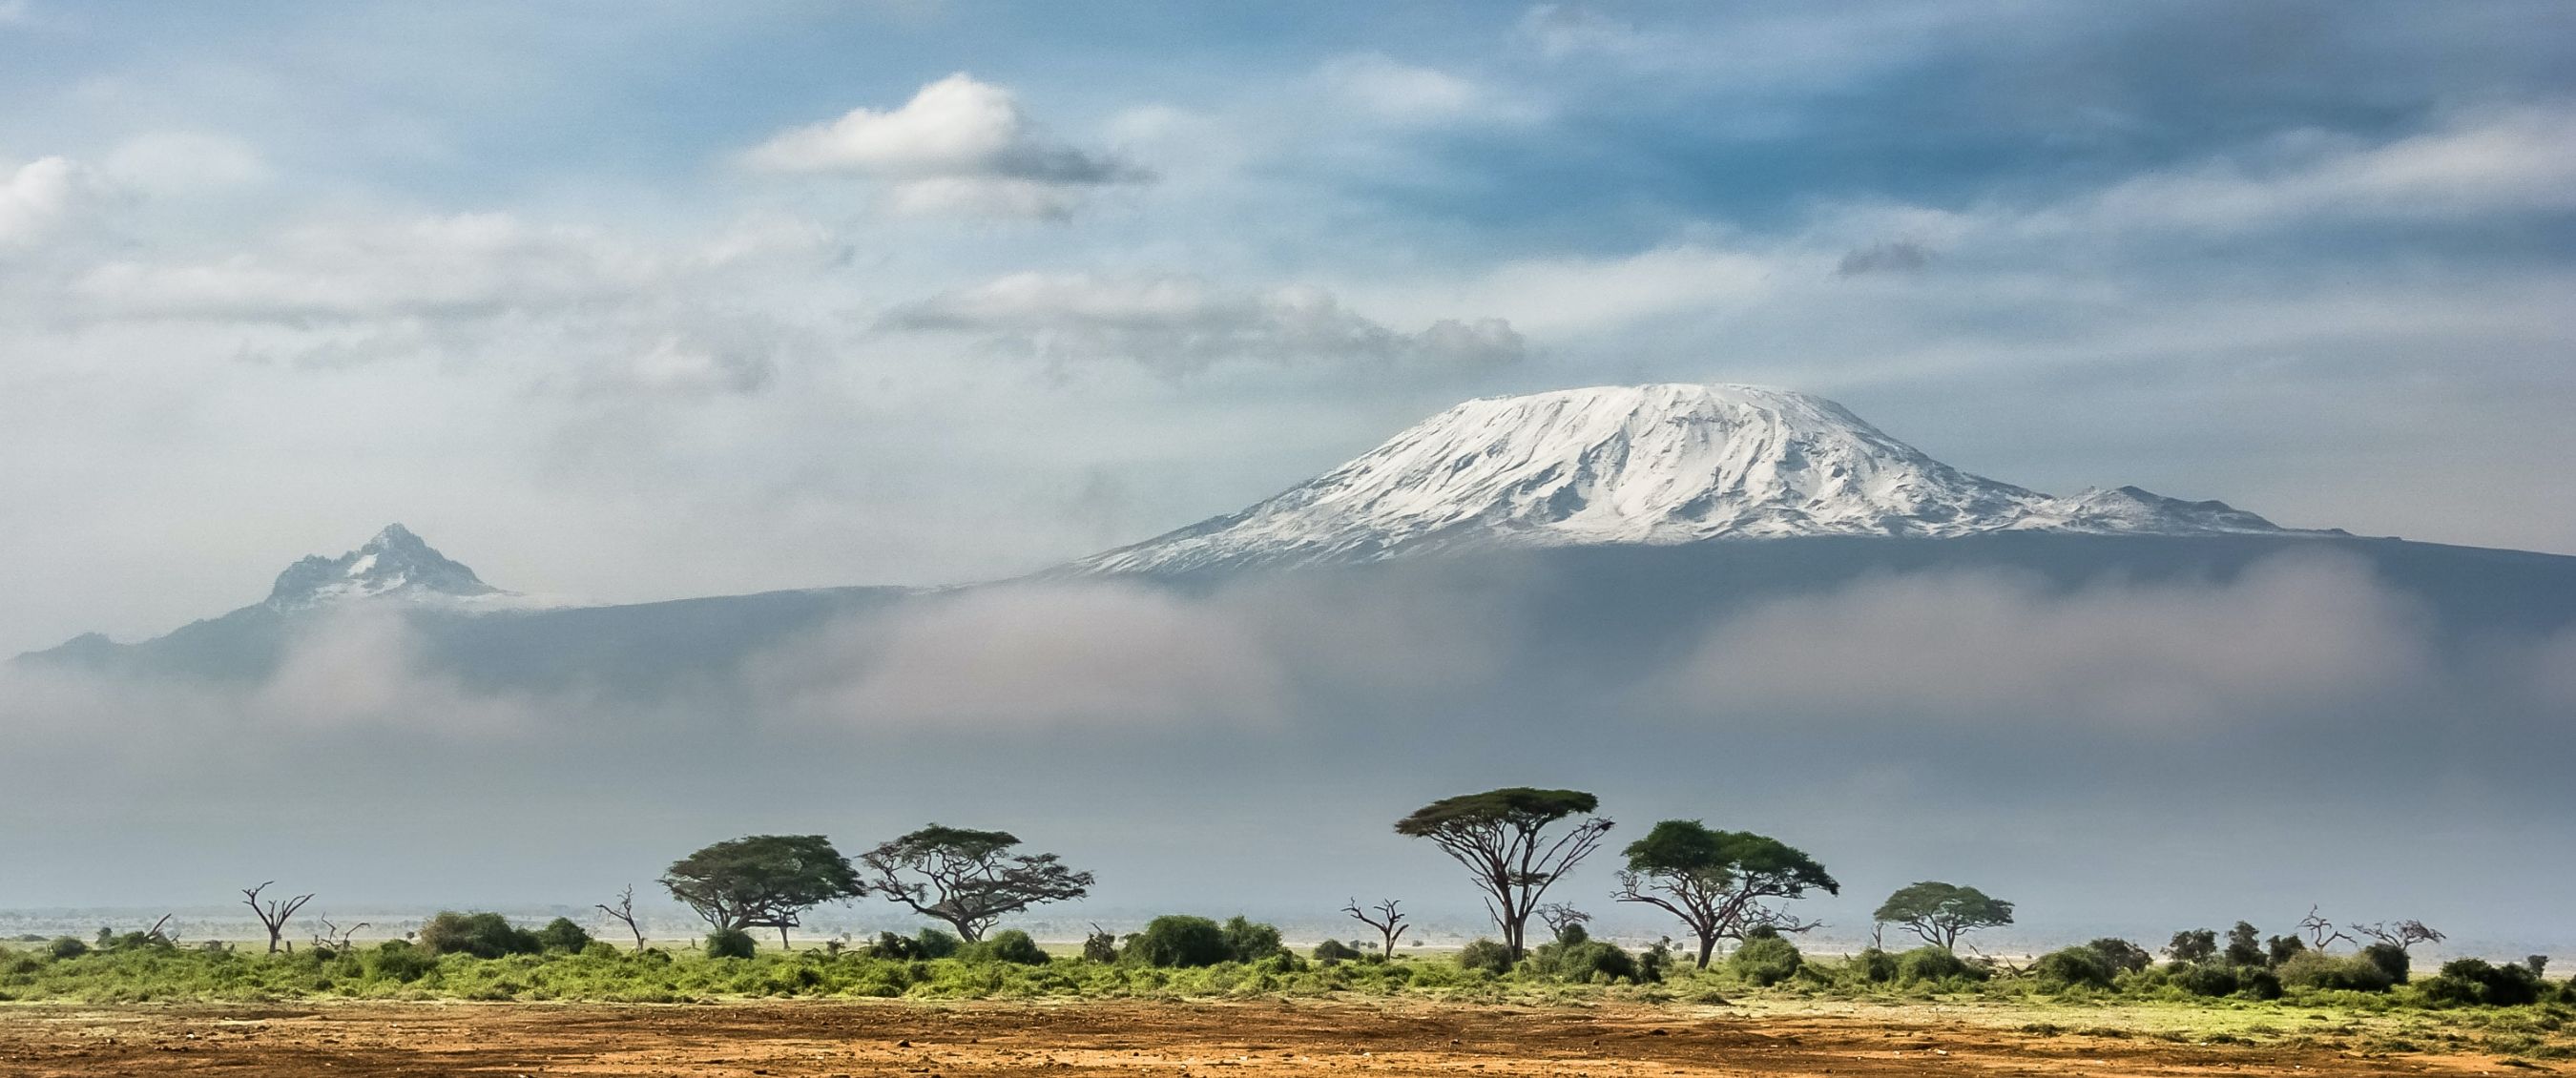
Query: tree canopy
x=1502, y=837
x=1942, y=912
x=1720, y=883
x=762, y=881
x=969, y=879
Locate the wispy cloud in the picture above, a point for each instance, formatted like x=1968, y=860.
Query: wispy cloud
x=1183, y=325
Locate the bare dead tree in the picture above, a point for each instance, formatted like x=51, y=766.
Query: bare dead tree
x=335, y=937
x=274, y=913
x=2403, y=935
x=1382, y=917
x=2321, y=932
x=624, y=911
x=1559, y=916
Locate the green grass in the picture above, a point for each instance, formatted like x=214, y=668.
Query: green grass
x=2396, y=1022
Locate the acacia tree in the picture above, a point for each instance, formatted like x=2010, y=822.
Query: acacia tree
x=1720, y=883
x=1383, y=917
x=1502, y=837
x=969, y=879
x=1942, y=912
x=273, y=913
x=762, y=881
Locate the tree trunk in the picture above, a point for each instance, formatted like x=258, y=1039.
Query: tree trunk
x=272, y=939
x=1707, y=948
x=782, y=937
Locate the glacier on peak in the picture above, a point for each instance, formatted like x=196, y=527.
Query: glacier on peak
x=1652, y=464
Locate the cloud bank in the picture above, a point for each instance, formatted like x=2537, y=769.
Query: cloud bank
x=1145, y=725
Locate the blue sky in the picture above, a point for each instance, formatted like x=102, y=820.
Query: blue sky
x=632, y=301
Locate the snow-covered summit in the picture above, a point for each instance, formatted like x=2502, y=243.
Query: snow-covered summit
x=396, y=564
x=1656, y=464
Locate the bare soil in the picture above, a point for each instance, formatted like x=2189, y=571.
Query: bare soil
x=817, y=1038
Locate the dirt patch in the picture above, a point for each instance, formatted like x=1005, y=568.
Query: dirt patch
x=816, y=1038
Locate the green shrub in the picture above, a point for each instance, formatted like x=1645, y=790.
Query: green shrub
x=1929, y=963
x=2073, y=967
x=2279, y=950
x=483, y=935
x=1583, y=960
x=2391, y=959
x=1766, y=960
x=1488, y=955
x=2258, y=983
x=921, y=946
x=2122, y=955
x=1874, y=966
x=933, y=943
x=1331, y=951
x=66, y=947
x=1178, y=940
x=731, y=943
x=1099, y=946
x=561, y=934
x=2203, y=978
x=1250, y=941
x=1654, y=962
x=397, y=961
x=2474, y=980
x=1012, y=946
x=2351, y=973
x=600, y=949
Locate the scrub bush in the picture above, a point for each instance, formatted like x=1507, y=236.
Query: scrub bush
x=2073, y=967
x=1179, y=941
x=1488, y=955
x=561, y=934
x=483, y=935
x=1766, y=960
x=731, y=943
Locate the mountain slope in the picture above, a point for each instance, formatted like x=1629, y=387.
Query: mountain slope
x=1656, y=464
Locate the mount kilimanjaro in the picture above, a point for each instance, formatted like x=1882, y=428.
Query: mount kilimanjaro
x=1655, y=465
x=1637, y=512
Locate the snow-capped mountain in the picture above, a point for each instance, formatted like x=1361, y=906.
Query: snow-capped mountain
x=396, y=564
x=1655, y=464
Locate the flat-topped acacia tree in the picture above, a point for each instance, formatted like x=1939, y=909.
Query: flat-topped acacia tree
x=1942, y=912
x=1720, y=883
x=970, y=879
x=762, y=881
x=1503, y=837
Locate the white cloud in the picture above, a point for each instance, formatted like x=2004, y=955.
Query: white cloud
x=959, y=146
x=1178, y=325
x=178, y=162
x=2482, y=165
x=38, y=196
x=368, y=269
x=1406, y=94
